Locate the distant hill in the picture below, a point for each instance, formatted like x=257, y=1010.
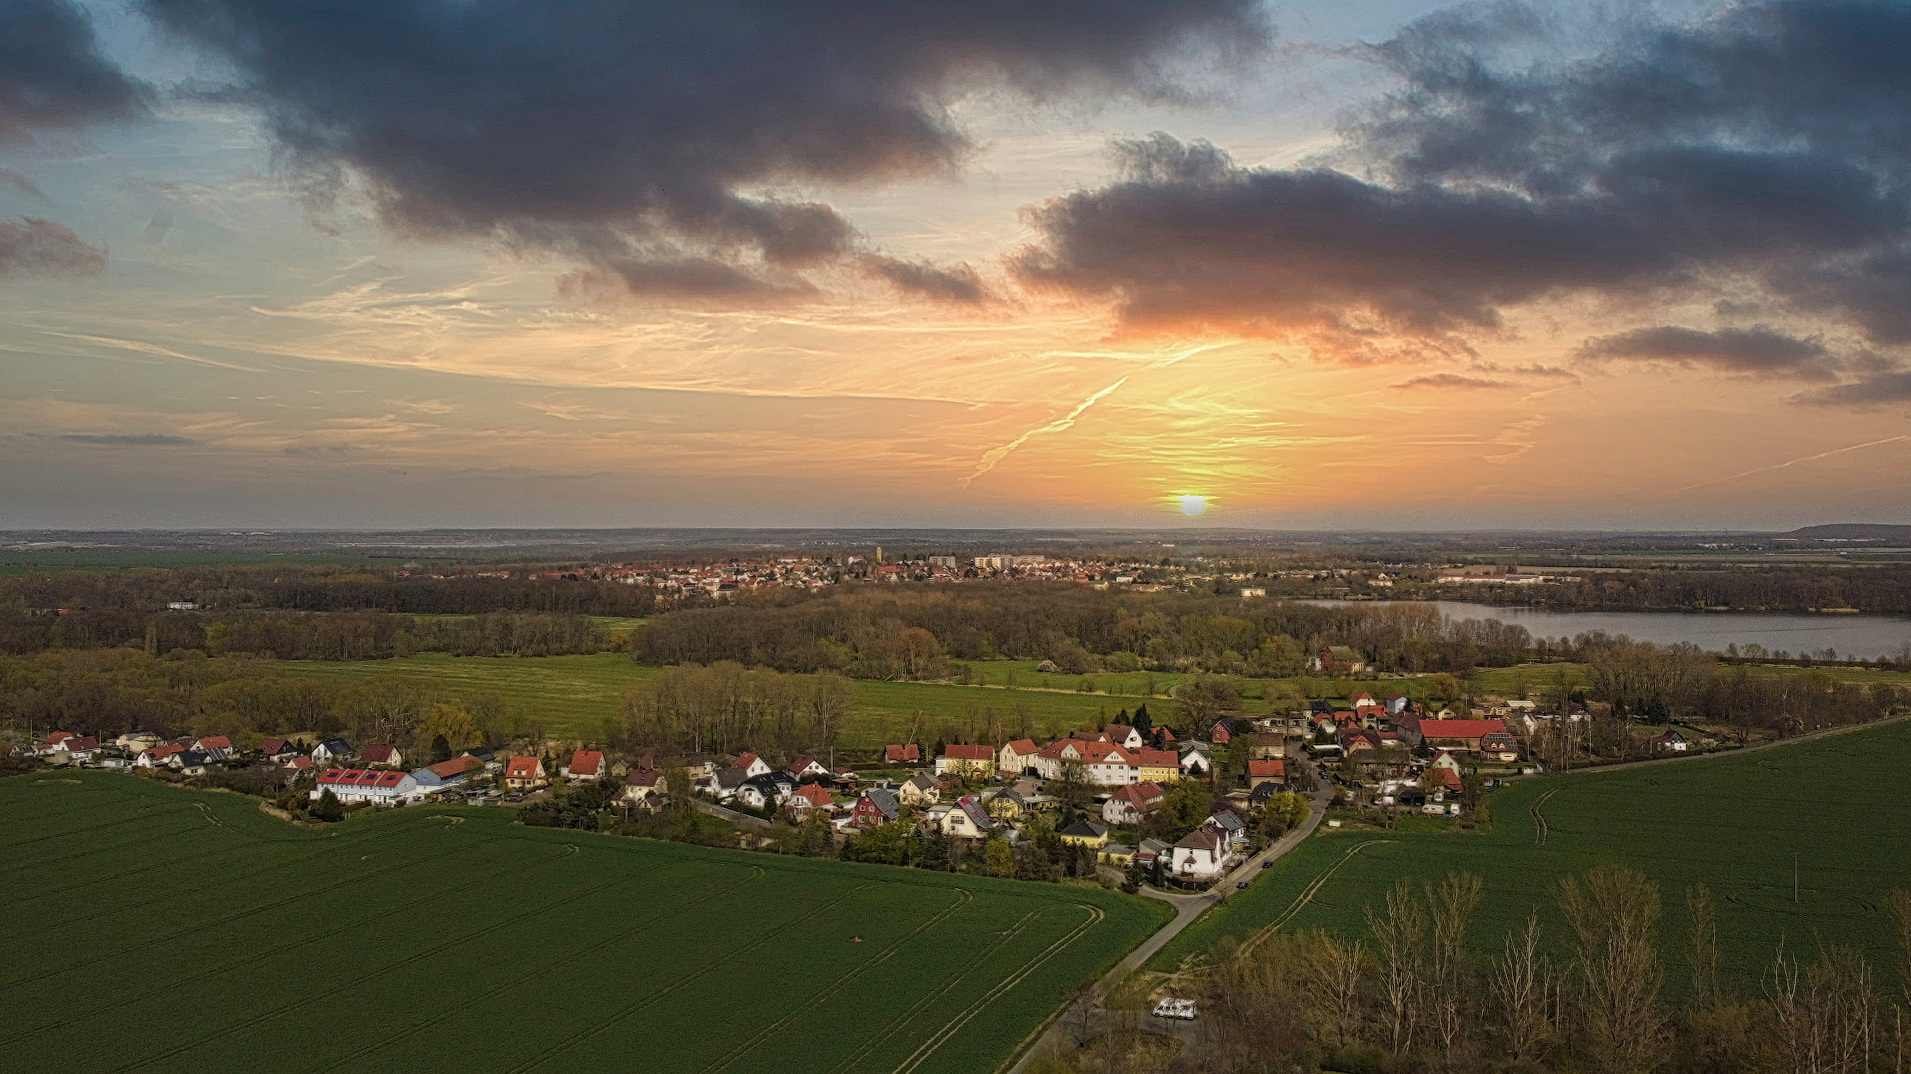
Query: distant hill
x=1853, y=531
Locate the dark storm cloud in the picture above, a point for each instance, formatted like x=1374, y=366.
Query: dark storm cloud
x=959, y=285
x=31, y=246
x=51, y=76
x=603, y=128
x=129, y=439
x=1766, y=147
x=1759, y=352
x=690, y=279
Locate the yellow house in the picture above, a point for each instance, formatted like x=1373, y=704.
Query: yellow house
x=1005, y=805
x=1116, y=854
x=1085, y=833
x=1160, y=766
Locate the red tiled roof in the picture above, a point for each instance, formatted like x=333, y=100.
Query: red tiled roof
x=1266, y=768
x=521, y=768
x=815, y=793
x=958, y=752
x=1024, y=747
x=587, y=762
x=744, y=760
x=906, y=752
x=215, y=742
x=1157, y=758
x=457, y=766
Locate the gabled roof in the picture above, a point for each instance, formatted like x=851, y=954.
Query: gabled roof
x=274, y=746
x=973, y=810
x=453, y=768
x=745, y=760
x=958, y=752
x=643, y=777
x=1203, y=838
x=815, y=795
x=522, y=768
x=1156, y=758
x=378, y=754
x=907, y=751
x=587, y=762
x=1023, y=747
x=729, y=779
x=1227, y=820
x=1274, y=768
x=884, y=800
x=215, y=742
x=1086, y=829
x=1118, y=732
x=920, y=782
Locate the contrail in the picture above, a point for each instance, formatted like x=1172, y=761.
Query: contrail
x=1793, y=462
x=995, y=455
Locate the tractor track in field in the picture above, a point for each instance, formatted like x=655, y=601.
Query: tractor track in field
x=1096, y=915
x=516, y=984
x=1307, y=893
x=964, y=897
x=174, y=983
x=1541, y=829
x=895, y=1025
x=299, y=1001
x=617, y=1018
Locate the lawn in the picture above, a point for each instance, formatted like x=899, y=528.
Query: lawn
x=1732, y=822
x=196, y=934
x=573, y=696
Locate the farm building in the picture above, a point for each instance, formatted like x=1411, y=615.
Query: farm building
x=445, y=775
x=377, y=786
x=1453, y=734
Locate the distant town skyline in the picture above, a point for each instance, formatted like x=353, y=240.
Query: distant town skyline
x=1214, y=263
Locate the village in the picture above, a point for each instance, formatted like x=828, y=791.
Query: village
x=1134, y=798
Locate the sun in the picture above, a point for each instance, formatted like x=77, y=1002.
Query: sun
x=1191, y=503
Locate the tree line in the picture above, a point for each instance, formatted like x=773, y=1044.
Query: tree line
x=1609, y=994
x=1883, y=588
x=295, y=635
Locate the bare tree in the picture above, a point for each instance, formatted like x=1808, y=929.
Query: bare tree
x=1399, y=937
x=1524, y=988
x=1824, y=1016
x=1614, y=913
x=1334, y=971
x=1703, y=949
x=1450, y=906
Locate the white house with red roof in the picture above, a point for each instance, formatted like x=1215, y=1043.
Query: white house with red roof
x=751, y=765
x=587, y=766
x=1019, y=757
x=374, y=785
x=524, y=773
x=805, y=766
x=213, y=742
x=1131, y=803
x=807, y=799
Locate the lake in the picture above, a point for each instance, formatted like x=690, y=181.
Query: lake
x=1862, y=636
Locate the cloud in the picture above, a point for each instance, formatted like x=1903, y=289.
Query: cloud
x=52, y=77
x=1759, y=352
x=129, y=439
x=18, y=181
x=688, y=279
x=958, y=286
x=1451, y=380
x=31, y=246
x=1878, y=389
x=612, y=131
x=1764, y=148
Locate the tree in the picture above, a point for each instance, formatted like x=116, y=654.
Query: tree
x=1523, y=988
x=328, y=808
x=440, y=750
x=1070, y=785
x=1614, y=914
x=1399, y=938
x=1703, y=952
x=998, y=858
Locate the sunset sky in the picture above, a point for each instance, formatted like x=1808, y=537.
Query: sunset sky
x=1384, y=265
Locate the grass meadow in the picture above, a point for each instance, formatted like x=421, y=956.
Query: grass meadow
x=196, y=934
x=1734, y=822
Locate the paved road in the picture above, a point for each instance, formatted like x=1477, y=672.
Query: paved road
x=1187, y=907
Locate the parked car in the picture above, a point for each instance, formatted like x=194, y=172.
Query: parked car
x=1182, y=1009
x=1240, y=885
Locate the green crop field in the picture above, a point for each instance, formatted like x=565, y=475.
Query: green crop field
x=1733, y=822
x=186, y=931
x=573, y=696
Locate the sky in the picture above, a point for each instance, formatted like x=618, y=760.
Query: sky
x=1388, y=265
